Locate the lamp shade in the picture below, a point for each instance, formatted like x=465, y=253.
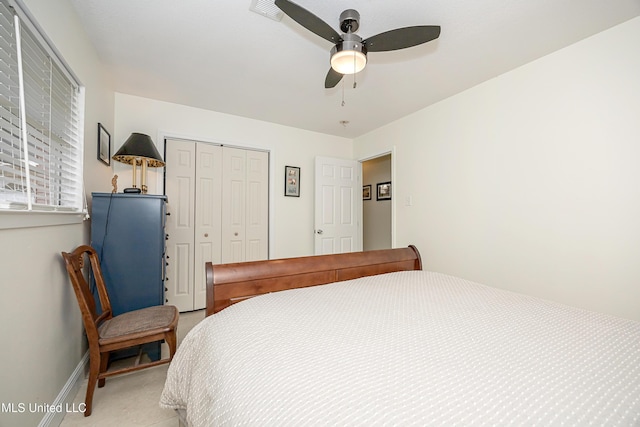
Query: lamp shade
x=137, y=147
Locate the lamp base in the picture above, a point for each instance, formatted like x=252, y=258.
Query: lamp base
x=133, y=190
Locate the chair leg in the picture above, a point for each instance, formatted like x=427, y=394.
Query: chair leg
x=94, y=370
x=104, y=364
x=170, y=339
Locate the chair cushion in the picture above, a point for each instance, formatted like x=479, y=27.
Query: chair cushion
x=150, y=318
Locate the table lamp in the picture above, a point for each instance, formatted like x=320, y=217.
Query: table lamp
x=139, y=149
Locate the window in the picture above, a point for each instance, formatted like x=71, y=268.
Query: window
x=40, y=121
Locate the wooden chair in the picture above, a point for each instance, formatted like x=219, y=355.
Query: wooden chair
x=107, y=333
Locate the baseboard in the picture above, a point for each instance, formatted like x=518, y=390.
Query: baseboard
x=66, y=395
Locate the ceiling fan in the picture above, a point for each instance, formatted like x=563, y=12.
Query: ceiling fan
x=349, y=53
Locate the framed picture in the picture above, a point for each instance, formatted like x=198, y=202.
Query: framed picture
x=292, y=181
x=366, y=192
x=104, y=145
x=384, y=191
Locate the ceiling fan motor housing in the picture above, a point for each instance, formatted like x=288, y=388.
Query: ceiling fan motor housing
x=349, y=21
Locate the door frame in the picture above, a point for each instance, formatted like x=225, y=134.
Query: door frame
x=394, y=199
x=162, y=135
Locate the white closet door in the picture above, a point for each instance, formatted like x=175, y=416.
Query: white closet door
x=234, y=178
x=257, y=212
x=180, y=191
x=208, y=216
x=218, y=200
x=245, y=205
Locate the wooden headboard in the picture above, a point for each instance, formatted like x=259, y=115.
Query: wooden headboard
x=231, y=283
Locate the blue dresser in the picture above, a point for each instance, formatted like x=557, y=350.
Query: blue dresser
x=128, y=232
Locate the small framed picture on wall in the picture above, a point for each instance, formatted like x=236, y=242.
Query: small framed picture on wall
x=104, y=145
x=292, y=181
x=366, y=192
x=384, y=191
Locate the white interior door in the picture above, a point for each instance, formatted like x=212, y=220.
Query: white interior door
x=338, y=205
x=208, y=219
x=180, y=226
x=218, y=212
x=234, y=204
x=245, y=205
x=257, y=206
x=193, y=188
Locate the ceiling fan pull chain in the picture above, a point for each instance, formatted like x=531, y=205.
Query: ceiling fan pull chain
x=343, y=93
x=354, y=67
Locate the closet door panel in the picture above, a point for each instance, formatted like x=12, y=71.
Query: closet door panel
x=233, y=204
x=180, y=226
x=208, y=215
x=257, y=213
x=218, y=201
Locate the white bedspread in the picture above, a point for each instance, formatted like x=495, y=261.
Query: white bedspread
x=410, y=348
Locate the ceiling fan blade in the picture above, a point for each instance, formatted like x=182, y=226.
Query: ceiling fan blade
x=309, y=20
x=401, y=38
x=332, y=79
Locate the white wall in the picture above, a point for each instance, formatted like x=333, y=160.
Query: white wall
x=42, y=340
x=531, y=181
x=291, y=217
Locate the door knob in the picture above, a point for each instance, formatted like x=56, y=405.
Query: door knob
x=319, y=231
x=206, y=234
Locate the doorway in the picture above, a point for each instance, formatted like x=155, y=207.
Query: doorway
x=377, y=218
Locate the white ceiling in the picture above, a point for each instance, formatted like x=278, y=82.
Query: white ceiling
x=219, y=55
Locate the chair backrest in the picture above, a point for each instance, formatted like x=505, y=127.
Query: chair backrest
x=74, y=262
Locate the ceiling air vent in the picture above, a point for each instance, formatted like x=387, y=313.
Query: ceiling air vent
x=266, y=8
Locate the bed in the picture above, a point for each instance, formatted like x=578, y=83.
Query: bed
x=369, y=338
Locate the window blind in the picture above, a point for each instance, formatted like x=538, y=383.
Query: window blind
x=40, y=141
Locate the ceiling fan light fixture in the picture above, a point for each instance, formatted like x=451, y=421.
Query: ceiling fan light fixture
x=348, y=61
x=349, y=56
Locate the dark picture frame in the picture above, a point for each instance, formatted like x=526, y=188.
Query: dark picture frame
x=383, y=191
x=366, y=192
x=292, y=181
x=104, y=145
